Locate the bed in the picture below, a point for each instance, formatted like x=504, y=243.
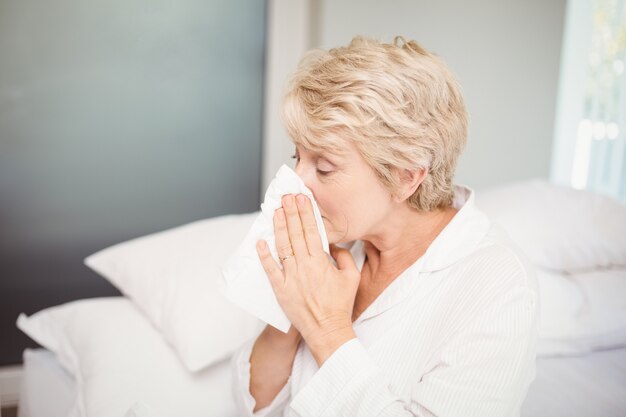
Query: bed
x=47, y=388
x=164, y=347
x=592, y=385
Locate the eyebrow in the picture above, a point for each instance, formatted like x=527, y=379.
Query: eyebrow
x=324, y=154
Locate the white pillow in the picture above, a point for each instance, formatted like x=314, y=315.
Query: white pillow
x=122, y=364
x=582, y=312
x=173, y=276
x=558, y=227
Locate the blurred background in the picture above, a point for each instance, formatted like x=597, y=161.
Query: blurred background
x=123, y=118
x=118, y=119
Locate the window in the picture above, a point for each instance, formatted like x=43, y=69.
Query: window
x=590, y=134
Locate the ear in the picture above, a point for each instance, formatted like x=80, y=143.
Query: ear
x=410, y=180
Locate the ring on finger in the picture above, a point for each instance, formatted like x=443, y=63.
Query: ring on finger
x=284, y=258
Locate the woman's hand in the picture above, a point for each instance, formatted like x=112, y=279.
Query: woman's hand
x=317, y=297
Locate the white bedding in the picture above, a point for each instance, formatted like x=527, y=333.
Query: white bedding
x=47, y=389
x=593, y=385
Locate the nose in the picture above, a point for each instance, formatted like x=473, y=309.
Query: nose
x=304, y=175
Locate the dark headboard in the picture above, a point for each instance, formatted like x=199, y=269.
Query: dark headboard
x=118, y=119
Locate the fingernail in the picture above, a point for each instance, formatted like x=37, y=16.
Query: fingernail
x=288, y=200
x=300, y=199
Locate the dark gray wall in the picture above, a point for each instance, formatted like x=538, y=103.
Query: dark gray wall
x=118, y=118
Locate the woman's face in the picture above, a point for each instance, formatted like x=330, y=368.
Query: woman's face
x=352, y=200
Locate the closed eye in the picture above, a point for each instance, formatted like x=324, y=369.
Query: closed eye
x=319, y=171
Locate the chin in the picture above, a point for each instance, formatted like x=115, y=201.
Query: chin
x=334, y=239
x=333, y=236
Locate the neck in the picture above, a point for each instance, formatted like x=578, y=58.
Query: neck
x=403, y=240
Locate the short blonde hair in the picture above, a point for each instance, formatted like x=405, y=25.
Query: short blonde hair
x=398, y=103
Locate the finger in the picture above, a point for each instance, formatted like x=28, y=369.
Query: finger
x=294, y=226
x=309, y=225
x=343, y=257
x=275, y=275
x=283, y=244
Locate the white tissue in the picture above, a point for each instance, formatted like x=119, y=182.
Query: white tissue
x=244, y=281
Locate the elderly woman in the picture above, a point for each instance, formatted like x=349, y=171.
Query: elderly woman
x=430, y=310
